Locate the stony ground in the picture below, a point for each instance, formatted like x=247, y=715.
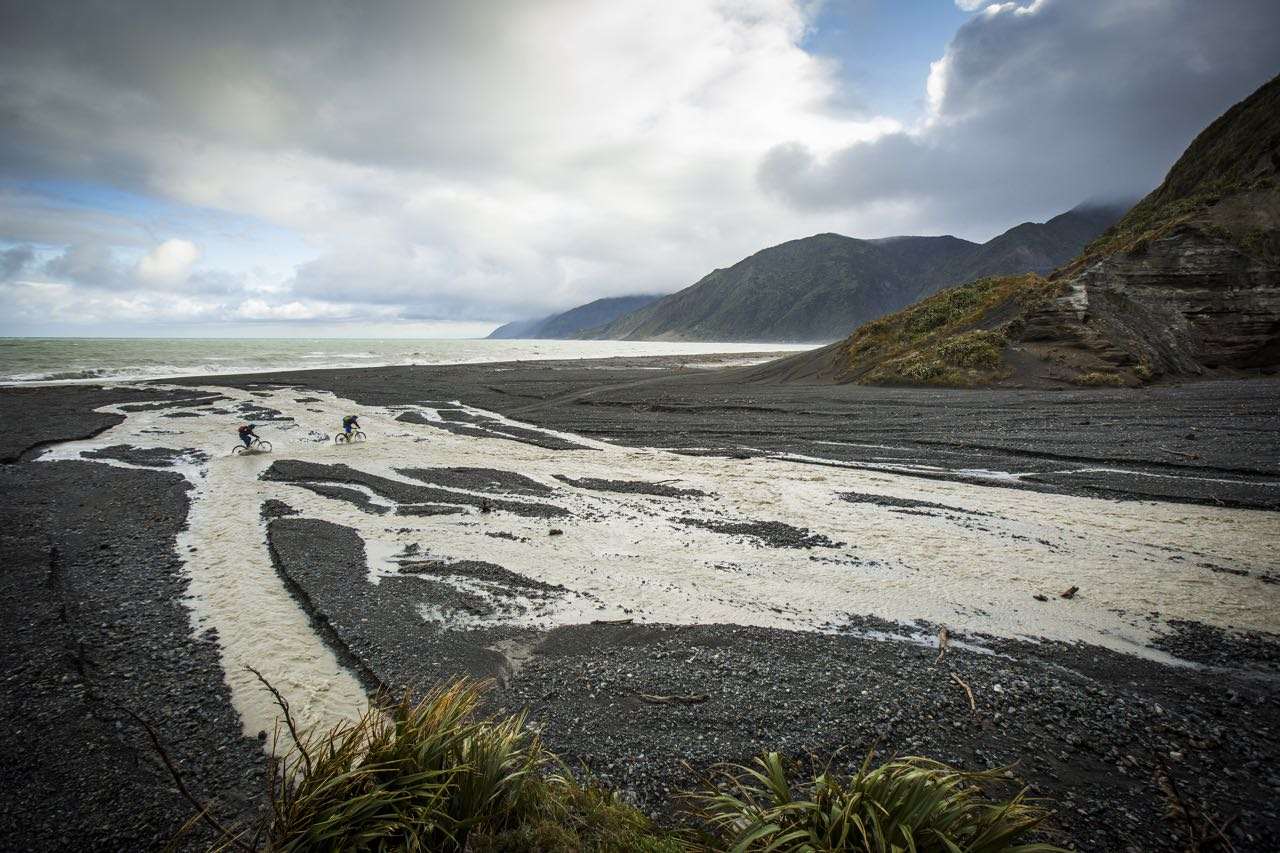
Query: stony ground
x=94, y=621
x=1204, y=442
x=650, y=708
x=94, y=628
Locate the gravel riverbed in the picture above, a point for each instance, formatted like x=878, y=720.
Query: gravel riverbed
x=97, y=612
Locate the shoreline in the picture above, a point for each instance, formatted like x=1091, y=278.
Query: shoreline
x=759, y=353
x=1073, y=714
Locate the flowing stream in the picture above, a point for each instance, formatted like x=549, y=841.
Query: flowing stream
x=975, y=564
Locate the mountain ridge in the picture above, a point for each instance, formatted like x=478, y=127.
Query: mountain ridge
x=816, y=288
x=565, y=324
x=1187, y=283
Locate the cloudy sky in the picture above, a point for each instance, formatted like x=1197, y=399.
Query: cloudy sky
x=432, y=168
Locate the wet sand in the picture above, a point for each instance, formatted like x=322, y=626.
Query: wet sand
x=788, y=551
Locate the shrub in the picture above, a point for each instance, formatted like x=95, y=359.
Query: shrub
x=1098, y=378
x=433, y=775
x=934, y=341
x=909, y=804
x=979, y=350
x=415, y=776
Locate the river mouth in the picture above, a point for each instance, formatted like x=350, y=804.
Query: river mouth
x=482, y=525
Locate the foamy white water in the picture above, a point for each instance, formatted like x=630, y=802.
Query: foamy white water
x=69, y=360
x=624, y=553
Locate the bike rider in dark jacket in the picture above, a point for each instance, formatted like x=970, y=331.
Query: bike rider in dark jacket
x=349, y=423
x=247, y=435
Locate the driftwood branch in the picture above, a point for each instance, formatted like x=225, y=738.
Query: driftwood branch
x=1179, y=453
x=626, y=621
x=973, y=706
x=201, y=809
x=943, y=639
x=288, y=717
x=689, y=699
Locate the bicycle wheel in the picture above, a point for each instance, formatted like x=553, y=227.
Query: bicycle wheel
x=238, y=449
x=264, y=446
x=341, y=438
x=358, y=436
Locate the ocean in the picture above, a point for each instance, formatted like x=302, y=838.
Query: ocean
x=46, y=360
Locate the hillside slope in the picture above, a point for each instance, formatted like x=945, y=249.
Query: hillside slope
x=568, y=323
x=817, y=288
x=1187, y=283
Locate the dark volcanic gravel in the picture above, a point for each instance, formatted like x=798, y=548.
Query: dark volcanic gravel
x=478, y=480
x=901, y=503
x=93, y=624
x=635, y=487
x=1206, y=644
x=503, y=581
x=175, y=403
x=260, y=414
x=407, y=495
x=37, y=417
x=1058, y=436
x=1084, y=738
x=342, y=493
x=93, y=617
x=775, y=534
x=150, y=457
x=378, y=629
x=479, y=427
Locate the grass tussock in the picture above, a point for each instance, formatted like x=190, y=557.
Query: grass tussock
x=436, y=775
x=935, y=342
x=909, y=804
x=433, y=775
x=1101, y=379
x=414, y=776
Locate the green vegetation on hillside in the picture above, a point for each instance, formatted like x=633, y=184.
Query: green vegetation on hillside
x=954, y=338
x=820, y=287
x=435, y=775
x=1233, y=155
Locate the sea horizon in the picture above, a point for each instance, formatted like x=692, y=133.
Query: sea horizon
x=72, y=360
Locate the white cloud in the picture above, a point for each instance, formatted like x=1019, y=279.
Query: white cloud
x=460, y=161
x=169, y=263
x=447, y=162
x=1037, y=106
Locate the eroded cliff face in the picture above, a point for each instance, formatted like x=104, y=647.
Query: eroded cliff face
x=1203, y=296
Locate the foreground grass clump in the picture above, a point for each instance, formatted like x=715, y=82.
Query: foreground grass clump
x=433, y=775
x=909, y=804
x=952, y=338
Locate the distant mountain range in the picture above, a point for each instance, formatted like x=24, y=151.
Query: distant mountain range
x=820, y=287
x=568, y=324
x=1186, y=284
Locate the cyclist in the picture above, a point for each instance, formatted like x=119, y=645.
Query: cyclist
x=349, y=423
x=247, y=435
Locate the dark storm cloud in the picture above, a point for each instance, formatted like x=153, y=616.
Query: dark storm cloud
x=389, y=83
x=14, y=260
x=1037, y=106
x=89, y=265
x=499, y=158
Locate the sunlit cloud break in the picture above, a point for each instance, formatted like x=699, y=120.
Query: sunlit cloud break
x=460, y=165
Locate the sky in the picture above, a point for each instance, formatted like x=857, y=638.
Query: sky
x=430, y=168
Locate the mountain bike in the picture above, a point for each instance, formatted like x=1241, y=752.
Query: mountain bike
x=347, y=438
x=255, y=446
